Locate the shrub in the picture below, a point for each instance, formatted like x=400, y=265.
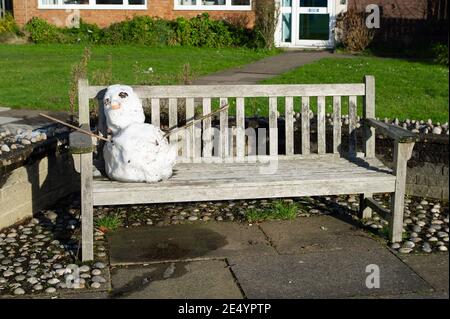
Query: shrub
x=440, y=52
x=43, y=32
x=8, y=25
x=201, y=31
x=141, y=30
x=241, y=34
x=353, y=32
x=85, y=33
x=266, y=19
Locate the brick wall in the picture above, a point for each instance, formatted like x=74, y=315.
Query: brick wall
x=26, y=9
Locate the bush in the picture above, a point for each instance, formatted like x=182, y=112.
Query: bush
x=201, y=31
x=85, y=33
x=266, y=19
x=440, y=52
x=8, y=25
x=353, y=32
x=43, y=32
x=141, y=30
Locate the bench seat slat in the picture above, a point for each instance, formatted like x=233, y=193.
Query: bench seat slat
x=196, y=182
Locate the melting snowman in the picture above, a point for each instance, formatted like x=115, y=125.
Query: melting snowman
x=138, y=151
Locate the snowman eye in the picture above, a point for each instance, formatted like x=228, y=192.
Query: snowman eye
x=107, y=101
x=123, y=95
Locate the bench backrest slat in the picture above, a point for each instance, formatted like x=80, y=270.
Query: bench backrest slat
x=306, y=123
x=289, y=123
x=240, y=141
x=337, y=123
x=352, y=120
x=229, y=91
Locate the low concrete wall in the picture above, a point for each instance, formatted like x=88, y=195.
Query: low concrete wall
x=35, y=179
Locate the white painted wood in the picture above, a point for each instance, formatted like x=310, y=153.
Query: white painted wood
x=155, y=112
x=369, y=112
x=273, y=127
x=228, y=91
x=207, y=130
x=352, y=117
x=240, y=128
x=337, y=124
x=289, y=120
x=224, y=131
x=87, y=207
x=321, y=130
x=305, y=126
x=402, y=153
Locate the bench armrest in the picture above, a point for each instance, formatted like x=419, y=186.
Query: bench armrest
x=80, y=143
x=399, y=134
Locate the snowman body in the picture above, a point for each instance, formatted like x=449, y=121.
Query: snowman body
x=138, y=152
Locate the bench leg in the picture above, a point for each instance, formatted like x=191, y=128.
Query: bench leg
x=364, y=211
x=402, y=153
x=87, y=208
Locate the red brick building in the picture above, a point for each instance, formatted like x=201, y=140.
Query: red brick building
x=302, y=23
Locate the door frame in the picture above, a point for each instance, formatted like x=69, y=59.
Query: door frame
x=295, y=41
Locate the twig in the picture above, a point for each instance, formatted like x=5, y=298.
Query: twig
x=223, y=108
x=75, y=128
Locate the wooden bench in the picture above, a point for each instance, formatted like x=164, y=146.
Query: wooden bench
x=233, y=171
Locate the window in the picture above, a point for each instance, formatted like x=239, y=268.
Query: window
x=92, y=4
x=243, y=5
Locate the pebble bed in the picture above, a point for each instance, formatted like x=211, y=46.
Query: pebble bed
x=21, y=138
x=40, y=256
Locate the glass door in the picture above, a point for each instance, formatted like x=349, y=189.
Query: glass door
x=313, y=22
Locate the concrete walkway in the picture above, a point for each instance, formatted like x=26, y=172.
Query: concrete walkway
x=316, y=257
x=266, y=68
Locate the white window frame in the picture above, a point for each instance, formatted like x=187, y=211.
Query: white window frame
x=200, y=7
x=92, y=6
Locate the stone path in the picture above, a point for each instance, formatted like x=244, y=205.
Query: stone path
x=316, y=257
x=266, y=68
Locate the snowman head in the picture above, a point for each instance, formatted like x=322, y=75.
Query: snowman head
x=122, y=107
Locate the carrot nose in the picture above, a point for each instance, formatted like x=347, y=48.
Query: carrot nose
x=115, y=105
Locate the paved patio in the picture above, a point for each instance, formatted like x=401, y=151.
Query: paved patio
x=316, y=257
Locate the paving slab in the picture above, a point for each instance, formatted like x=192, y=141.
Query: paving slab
x=318, y=233
x=332, y=274
x=209, y=279
x=186, y=242
x=433, y=268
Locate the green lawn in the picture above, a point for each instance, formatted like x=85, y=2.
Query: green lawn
x=404, y=89
x=37, y=76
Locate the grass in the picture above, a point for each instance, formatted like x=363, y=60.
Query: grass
x=108, y=223
x=404, y=89
x=277, y=210
x=37, y=76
